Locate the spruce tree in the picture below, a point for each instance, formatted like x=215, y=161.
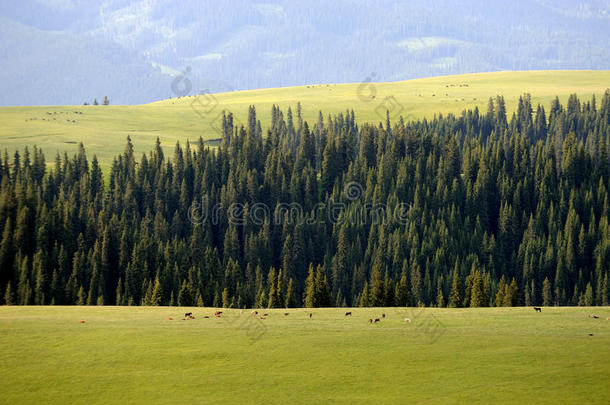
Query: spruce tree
x=322, y=291
x=8, y=295
x=310, y=289
x=364, y=297
x=402, y=292
x=291, y=300
x=184, y=295
x=455, y=297
x=376, y=294
x=547, y=293
x=157, y=293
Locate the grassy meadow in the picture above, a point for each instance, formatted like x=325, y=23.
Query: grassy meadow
x=136, y=355
x=103, y=129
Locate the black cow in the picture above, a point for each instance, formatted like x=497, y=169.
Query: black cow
x=538, y=309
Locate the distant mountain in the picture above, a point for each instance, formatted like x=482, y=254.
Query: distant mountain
x=68, y=52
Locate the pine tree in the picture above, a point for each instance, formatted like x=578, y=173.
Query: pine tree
x=310, y=289
x=588, y=296
x=440, y=299
x=501, y=294
x=416, y=285
x=157, y=294
x=322, y=292
x=402, y=292
x=364, y=297
x=8, y=295
x=291, y=300
x=476, y=293
x=184, y=295
x=376, y=294
x=274, y=299
x=455, y=297
x=81, y=300
x=226, y=298
x=547, y=293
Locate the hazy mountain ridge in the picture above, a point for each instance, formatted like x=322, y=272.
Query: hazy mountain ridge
x=116, y=47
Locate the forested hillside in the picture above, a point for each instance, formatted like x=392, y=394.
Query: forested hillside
x=472, y=210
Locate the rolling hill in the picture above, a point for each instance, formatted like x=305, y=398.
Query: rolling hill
x=103, y=129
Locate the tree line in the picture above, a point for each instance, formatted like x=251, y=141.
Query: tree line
x=494, y=211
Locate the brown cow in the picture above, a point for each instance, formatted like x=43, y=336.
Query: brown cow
x=310, y=314
x=593, y=316
x=217, y=313
x=81, y=321
x=370, y=321
x=254, y=313
x=377, y=320
x=265, y=314
x=286, y=313
x=348, y=314
x=383, y=315
x=169, y=318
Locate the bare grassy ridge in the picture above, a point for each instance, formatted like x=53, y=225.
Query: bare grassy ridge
x=103, y=129
x=135, y=355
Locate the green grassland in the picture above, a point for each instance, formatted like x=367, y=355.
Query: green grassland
x=103, y=129
x=135, y=355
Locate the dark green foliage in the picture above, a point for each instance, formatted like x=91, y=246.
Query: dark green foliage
x=495, y=211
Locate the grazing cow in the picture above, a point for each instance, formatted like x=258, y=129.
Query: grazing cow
x=348, y=314
x=383, y=315
x=81, y=321
x=537, y=309
x=377, y=320
x=188, y=314
x=286, y=313
x=191, y=317
x=169, y=318
x=310, y=314
x=407, y=320
x=218, y=313
x=254, y=312
x=370, y=321
x=590, y=334
x=206, y=317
